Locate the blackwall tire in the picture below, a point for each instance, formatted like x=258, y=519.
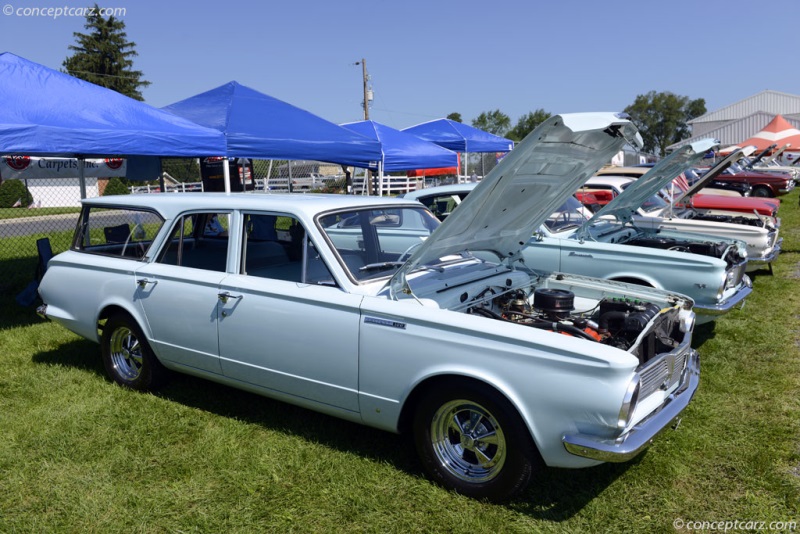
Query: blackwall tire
x=762, y=192
x=127, y=356
x=471, y=440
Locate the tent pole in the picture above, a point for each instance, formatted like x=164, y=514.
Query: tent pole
x=289, y=164
x=161, y=183
x=380, y=178
x=269, y=173
x=82, y=176
x=348, y=180
x=226, y=174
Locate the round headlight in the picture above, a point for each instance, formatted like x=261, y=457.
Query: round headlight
x=629, y=402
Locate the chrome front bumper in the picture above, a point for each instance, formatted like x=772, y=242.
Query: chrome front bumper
x=770, y=256
x=725, y=306
x=643, y=433
x=721, y=308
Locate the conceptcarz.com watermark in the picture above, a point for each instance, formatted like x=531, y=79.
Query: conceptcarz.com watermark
x=65, y=11
x=735, y=525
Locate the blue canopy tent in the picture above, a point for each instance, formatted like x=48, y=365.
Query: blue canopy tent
x=401, y=151
x=49, y=113
x=257, y=125
x=460, y=137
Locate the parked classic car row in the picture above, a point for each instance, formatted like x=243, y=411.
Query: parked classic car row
x=446, y=331
x=633, y=239
x=678, y=210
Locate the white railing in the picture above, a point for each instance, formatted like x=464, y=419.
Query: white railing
x=388, y=186
x=186, y=187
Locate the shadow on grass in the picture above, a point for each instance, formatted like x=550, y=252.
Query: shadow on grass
x=558, y=494
x=12, y=315
x=703, y=333
x=16, y=274
x=554, y=494
x=80, y=354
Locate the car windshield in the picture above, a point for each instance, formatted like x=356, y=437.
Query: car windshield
x=374, y=243
x=568, y=216
x=653, y=203
x=733, y=169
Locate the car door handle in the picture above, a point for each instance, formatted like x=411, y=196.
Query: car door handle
x=142, y=282
x=224, y=297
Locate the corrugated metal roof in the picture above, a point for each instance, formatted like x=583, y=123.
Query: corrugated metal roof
x=772, y=102
x=735, y=131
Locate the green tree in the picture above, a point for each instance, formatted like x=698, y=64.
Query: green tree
x=14, y=193
x=527, y=123
x=495, y=122
x=115, y=187
x=662, y=118
x=182, y=169
x=103, y=56
x=455, y=117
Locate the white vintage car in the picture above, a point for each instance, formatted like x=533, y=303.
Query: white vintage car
x=367, y=309
x=612, y=245
x=651, y=208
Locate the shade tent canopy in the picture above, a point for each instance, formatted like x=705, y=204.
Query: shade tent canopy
x=402, y=151
x=779, y=131
x=260, y=126
x=49, y=113
x=459, y=137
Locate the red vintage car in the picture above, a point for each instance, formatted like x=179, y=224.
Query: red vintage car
x=764, y=206
x=764, y=184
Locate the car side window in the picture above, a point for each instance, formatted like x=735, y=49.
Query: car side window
x=123, y=232
x=199, y=241
x=277, y=247
x=443, y=205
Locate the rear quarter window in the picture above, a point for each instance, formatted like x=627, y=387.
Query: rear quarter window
x=121, y=232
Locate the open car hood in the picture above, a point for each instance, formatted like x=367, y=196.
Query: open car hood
x=774, y=156
x=516, y=197
x=712, y=173
x=626, y=203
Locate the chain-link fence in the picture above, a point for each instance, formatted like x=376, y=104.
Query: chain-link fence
x=32, y=209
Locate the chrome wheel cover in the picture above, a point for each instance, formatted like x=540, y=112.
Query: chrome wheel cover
x=468, y=441
x=126, y=354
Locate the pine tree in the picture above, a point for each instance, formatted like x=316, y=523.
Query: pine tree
x=103, y=56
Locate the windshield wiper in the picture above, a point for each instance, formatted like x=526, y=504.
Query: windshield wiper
x=381, y=265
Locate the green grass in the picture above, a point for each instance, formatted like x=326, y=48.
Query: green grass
x=18, y=213
x=78, y=453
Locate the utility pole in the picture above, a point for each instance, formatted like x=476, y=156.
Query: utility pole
x=364, y=75
x=365, y=103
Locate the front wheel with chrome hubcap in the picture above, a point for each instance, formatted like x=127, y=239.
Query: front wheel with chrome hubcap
x=471, y=439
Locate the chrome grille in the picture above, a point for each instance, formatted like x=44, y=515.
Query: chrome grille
x=773, y=236
x=663, y=372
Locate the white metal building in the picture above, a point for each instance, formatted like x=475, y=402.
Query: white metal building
x=743, y=119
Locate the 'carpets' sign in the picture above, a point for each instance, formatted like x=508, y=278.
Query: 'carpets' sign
x=30, y=167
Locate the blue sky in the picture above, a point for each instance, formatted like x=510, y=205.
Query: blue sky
x=430, y=58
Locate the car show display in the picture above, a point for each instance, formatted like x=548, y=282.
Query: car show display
x=494, y=362
x=614, y=245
